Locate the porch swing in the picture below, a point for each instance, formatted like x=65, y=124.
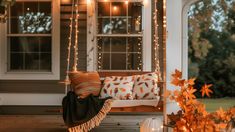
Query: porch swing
x=117, y=106
x=120, y=106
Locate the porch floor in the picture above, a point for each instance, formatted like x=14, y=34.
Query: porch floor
x=32, y=123
x=51, y=123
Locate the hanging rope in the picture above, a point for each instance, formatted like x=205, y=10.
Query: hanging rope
x=67, y=80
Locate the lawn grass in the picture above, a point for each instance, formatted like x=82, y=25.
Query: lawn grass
x=214, y=104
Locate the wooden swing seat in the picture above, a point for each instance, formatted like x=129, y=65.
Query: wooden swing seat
x=141, y=108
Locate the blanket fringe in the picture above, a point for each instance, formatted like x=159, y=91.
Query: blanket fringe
x=95, y=121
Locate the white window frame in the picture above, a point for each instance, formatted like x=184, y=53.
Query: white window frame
x=146, y=28
x=185, y=10
x=55, y=65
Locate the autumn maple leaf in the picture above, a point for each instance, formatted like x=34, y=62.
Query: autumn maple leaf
x=189, y=93
x=191, y=81
x=205, y=90
x=177, y=82
x=221, y=113
x=177, y=74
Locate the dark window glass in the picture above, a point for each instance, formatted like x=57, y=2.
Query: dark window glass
x=34, y=53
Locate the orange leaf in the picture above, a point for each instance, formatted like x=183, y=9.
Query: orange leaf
x=222, y=125
x=141, y=90
x=177, y=82
x=189, y=94
x=191, y=81
x=221, y=113
x=177, y=74
x=205, y=90
x=123, y=89
x=176, y=92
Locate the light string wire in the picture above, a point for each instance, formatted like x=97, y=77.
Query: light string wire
x=76, y=39
x=67, y=80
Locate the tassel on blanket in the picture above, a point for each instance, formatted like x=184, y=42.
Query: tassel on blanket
x=95, y=121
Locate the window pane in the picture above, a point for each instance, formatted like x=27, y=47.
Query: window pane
x=14, y=25
x=119, y=25
x=119, y=9
x=104, y=25
x=104, y=9
x=17, y=9
x=118, y=61
x=134, y=61
x=30, y=17
x=104, y=44
x=45, y=7
x=118, y=44
x=45, y=44
x=24, y=44
x=32, y=61
x=45, y=61
x=135, y=17
x=134, y=44
x=30, y=7
x=105, y=61
x=34, y=53
x=16, y=61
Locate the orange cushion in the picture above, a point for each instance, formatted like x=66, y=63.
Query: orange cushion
x=85, y=83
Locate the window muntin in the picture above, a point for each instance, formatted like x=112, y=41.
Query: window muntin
x=29, y=37
x=119, y=37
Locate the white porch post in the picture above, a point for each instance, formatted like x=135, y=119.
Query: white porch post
x=173, y=45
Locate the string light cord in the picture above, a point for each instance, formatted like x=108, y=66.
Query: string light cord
x=76, y=39
x=67, y=80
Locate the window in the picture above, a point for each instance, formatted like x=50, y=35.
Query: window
x=119, y=36
x=122, y=35
x=31, y=49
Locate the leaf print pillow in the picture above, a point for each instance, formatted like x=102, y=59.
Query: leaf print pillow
x=118, y=87
x=145, y=86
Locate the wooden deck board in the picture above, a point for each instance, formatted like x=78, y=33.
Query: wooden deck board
x=54, y=123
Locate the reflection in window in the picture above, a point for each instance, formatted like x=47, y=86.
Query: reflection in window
x=35, y=23
x=119, y=35
x=29, y=37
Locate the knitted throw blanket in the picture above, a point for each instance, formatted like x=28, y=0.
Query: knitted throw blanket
x=81, y=115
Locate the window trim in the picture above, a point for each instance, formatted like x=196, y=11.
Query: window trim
x=55, y=71
x=146, y=36
x=185, y=10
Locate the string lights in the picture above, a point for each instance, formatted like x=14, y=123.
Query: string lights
x=156, y=42
x=129, y=54
x=67, y=80
x=76, y=39
x=139, y=68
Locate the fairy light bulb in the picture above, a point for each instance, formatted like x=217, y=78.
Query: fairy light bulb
x=126, y=2
x=88, y=2
x=115, y=8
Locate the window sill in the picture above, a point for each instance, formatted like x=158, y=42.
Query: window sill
x=29, y=76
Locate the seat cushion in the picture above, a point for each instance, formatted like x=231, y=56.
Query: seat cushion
x=118, y=88
x=145, y=86
x=85, y=83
